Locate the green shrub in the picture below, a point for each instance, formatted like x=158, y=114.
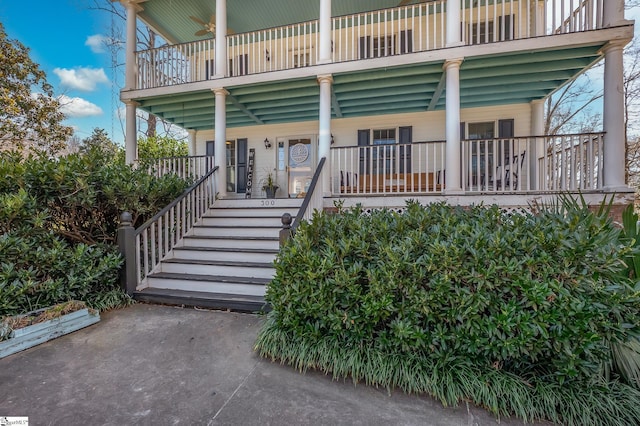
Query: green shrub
x=443, y=290
x=85, y=194
x=39, y=270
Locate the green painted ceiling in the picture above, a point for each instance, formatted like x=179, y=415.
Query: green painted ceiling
x=171, y=17
x=484, y=81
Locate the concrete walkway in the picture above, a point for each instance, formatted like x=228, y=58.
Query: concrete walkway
x=160, y=365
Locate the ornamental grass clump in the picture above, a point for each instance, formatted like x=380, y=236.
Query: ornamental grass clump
x=515, y=312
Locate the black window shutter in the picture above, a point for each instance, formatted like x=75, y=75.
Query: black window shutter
x=462, y=131
x=211, y=148
x=365, y=47
x=405, y=140
x=506, y=130
x=241, y=147
x=406, y=41
x=364, y=140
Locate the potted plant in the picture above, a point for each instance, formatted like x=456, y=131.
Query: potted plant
x=269, y=185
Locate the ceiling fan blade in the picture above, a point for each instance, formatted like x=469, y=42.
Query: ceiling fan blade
x=212, y=20
x=198, y=21
x=202, y=32
x=404, y=3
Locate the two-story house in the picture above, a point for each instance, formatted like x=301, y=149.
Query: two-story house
x=429, y=100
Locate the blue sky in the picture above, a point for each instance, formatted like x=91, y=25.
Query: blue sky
x=64, y=37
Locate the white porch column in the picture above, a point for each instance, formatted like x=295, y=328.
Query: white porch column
x=221, y=39
x=452, y=131
x=325, y=32
x=454, y=36
x=324, y=142
x=613, y=118
x=536, y=145
x=221, y=140
x=613, y=12
x=130, y=47
x=192, y=142
x=131, y=133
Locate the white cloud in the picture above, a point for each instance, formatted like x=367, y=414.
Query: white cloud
x=97, y=43
x=78, y=107
x=84, y=79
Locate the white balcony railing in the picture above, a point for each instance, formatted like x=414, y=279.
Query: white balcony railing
x=401, y=30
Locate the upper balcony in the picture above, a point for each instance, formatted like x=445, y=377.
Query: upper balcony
x=389, y=32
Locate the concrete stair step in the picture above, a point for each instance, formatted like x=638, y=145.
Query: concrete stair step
x=251, y=212
x=221, y=268
x=232, y=242
x=208, y=283
x=226, y=254
x=242, y=221
x=234, y=302
x=235, y=231
x=258, y=203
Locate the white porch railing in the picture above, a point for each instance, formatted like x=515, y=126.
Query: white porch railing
x=188, y=167
x=500, y=166
x=572, y=162
x=401, y=30
x=388, y=169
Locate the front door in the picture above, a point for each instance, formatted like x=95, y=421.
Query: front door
x=301, y=160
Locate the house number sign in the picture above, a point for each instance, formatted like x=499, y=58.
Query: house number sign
x=299, y=153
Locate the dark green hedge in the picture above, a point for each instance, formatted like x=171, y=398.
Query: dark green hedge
x=537, y=298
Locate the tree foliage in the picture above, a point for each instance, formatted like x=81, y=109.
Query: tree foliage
x=30, y=115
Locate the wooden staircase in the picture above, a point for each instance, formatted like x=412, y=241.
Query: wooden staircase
x=226, y=260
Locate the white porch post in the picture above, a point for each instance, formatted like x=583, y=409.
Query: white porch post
x=613, y=12
x=221, y=140
x=454, y=36
x=131, y=133
x=452, y=131
x=130, y=139
x=613, y=119
x=324, y=143
x=325, y=32
x=130, y=46
x=192, y=142
x=536, y=144
x=221, y=39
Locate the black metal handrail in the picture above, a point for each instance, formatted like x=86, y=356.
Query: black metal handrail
x=176, y=201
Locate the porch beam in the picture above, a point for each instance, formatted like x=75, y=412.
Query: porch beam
x=391, y=82
x=282, y=102
x=244, y=109
x=186, y=106
x=390, y=108
x=514, y=79
x=387, y=92
x=266, y=112
x=270, y=87
x=172, y=99
x=413, y=97
x=284, y=94
x=335, y=104
x=437, y=93
x=402, y=72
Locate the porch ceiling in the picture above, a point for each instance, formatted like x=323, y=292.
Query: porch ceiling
x=170, y=18
x=484, y=81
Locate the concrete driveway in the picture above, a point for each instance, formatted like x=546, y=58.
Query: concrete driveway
x=161, y=365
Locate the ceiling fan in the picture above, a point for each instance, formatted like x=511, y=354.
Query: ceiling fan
x=208, y=27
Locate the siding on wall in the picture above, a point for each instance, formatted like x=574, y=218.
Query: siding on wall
x=427, y=126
